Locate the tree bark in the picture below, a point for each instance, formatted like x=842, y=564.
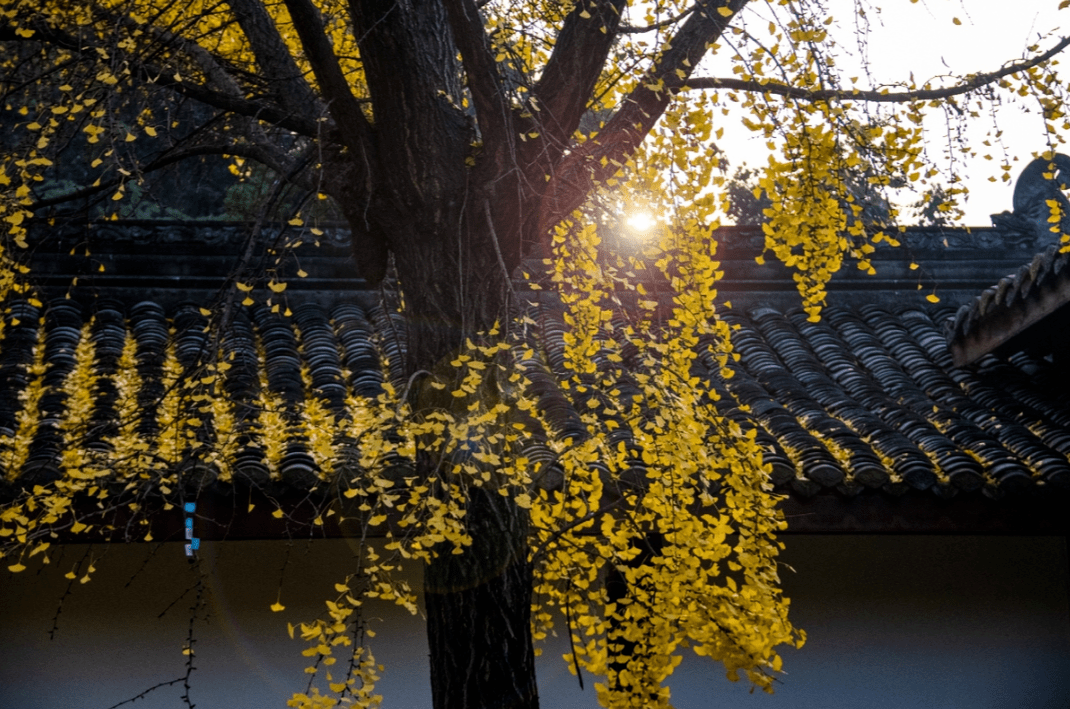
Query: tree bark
x=478, y=603
x=435, y=218
x=628, y=655
x=478, y=613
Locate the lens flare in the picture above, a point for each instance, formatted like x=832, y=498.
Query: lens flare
x=640, y=222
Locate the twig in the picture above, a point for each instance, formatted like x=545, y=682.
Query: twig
x=972, y=83
x=571, y=642
x=146, y=692
x=497, y=249
x=408, y=386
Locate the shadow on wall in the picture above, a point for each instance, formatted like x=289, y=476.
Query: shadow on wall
x=892, y=621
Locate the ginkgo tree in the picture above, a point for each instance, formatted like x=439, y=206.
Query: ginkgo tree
x=460, y=140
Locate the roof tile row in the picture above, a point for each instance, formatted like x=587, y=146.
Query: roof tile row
x=865, y=399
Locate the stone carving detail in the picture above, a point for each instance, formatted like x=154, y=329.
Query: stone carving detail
x=943, y=239
x=1028, y=224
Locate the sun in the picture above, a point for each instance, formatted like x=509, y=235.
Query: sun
x=640, y=222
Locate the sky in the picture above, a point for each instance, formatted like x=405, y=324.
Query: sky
x=923, y=38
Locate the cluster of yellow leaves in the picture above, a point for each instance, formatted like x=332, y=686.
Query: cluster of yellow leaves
x=90, y=464
x=666, y=493
x=17, y=449
x=344, y=623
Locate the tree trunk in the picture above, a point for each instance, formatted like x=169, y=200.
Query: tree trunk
x=478, y=603
x=628, y=656
x=434, y=214
x=478, y=614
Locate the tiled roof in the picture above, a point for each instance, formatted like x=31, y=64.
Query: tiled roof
x=1025, y=310
x=1006, y=316
x=173, y=262
x=861, y=400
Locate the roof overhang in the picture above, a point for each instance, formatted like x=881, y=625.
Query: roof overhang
x=1023, y=312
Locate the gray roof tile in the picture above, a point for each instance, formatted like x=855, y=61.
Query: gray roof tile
x=1008, y=310
x=866, y=399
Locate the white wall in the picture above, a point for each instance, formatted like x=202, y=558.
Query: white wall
x=893, y=622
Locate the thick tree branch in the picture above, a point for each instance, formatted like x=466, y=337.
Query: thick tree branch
x=279, y=69
x=638, y=113
x=251, y=112
x=971, y=83
x=341, y=102
x=257, y=153
x=243, y=107
x=208, y=63
x=414, y=79
x=579, y=55
x=484, y=82
x=159, y=76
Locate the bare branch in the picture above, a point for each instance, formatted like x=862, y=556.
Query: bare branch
x=148, y=691
x=36, y=78
x=258, y=153
x=971, y=83
x=629, y=29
